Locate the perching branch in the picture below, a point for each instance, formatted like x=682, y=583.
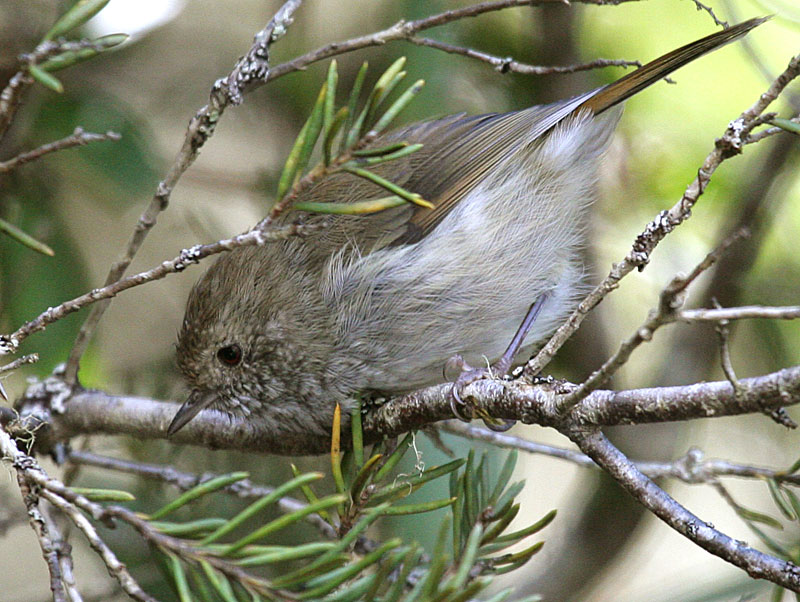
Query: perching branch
x=91, y=411
x=671, y=299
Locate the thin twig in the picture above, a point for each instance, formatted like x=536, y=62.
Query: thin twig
x=11, y=96
x=10, y=99
x=74, y=505
x=745, y=312
x=504, y=440
x=779, y=415
x=509, y=65
x=403, y=30
x=702, y=7
x=48, y=546
x=115, y=568
x=64, y=551
x=30, y=473
x=31, y=358
x=26, y=359
x=692, y=468
x=78, y=138
x=768, y=132
x=723, y=334
x=776, y=88
x=671, y=299
x=71, y=504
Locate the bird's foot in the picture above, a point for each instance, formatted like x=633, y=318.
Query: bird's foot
x=467, y=376
x=499, y=368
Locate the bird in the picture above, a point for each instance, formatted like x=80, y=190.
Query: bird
x=376, y=304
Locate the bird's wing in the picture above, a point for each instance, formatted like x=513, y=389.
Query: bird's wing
x=458, y=152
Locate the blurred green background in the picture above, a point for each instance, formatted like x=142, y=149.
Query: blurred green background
x=84, y=203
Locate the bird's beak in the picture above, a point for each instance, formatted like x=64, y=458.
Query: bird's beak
x=191, y=407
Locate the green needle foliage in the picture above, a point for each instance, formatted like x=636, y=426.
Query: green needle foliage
x=786, y=124
x=80, y=13
x=75, y=17
x=25, y=239
x=73, y=57
x=205, y=561
x=326, y=124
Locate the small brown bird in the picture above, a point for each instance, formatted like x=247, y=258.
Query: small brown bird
x=378, y=303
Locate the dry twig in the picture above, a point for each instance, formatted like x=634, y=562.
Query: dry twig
x=77, y=138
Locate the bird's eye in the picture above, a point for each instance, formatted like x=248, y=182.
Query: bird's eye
x=230, y=354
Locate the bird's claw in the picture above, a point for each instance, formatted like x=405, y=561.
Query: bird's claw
x=467, y=376
x=455, y=402
x=457, y=362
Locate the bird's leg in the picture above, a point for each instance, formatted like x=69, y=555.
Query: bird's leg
x=499, y=368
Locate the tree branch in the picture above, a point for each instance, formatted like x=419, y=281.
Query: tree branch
x=187, y=257
x=405, y=30
x=11, y=96
x=748, y=312
x=670, y=299
x=31, y=358
x=90, y=412
x=49, y=547
x=757, y=564
x=64, y=552
x=30, y=474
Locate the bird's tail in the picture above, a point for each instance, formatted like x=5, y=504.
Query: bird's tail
x=653, y=71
